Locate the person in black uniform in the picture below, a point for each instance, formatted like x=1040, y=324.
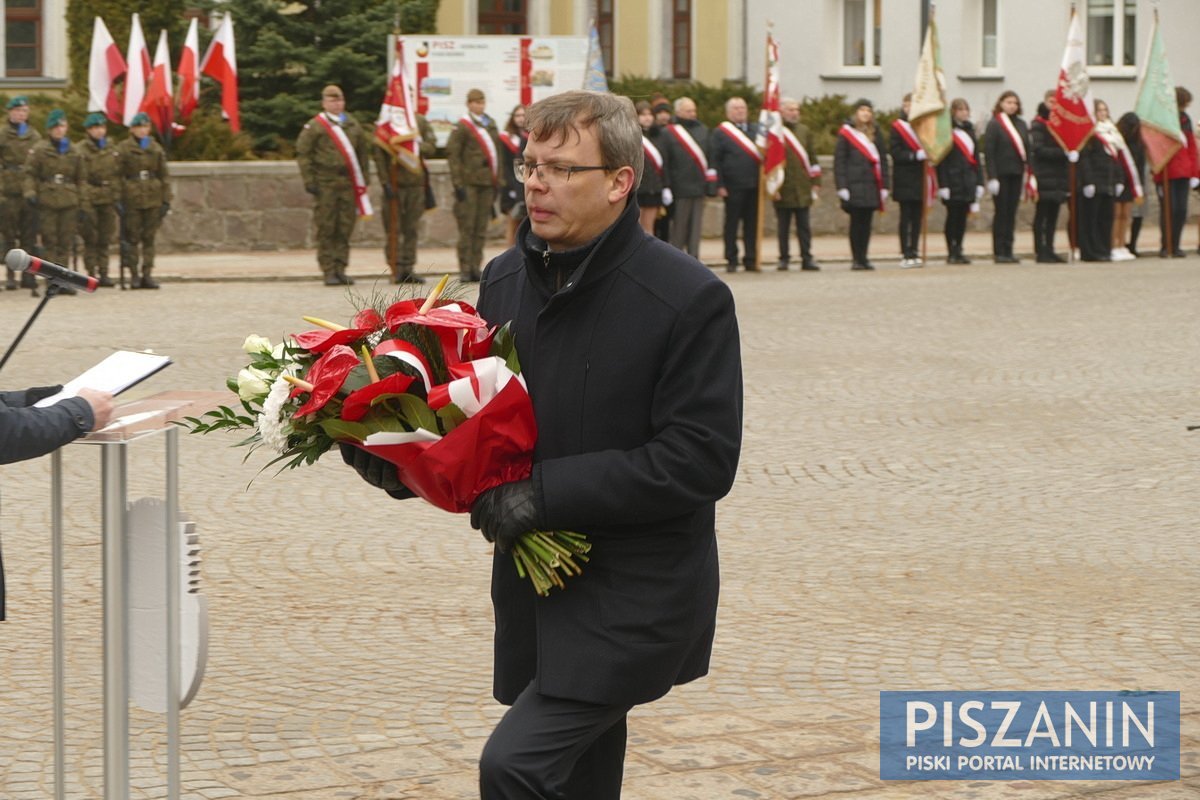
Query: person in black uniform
x=1096, y=181
x=737, y=160
x=908, y=184
x=860, y=170
x=1006, y=158
x=1049, y=163
x=960, y=180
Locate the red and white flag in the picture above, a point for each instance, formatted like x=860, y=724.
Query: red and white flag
x=770, y=124
x=189, y=74
x=1072, y=122
x=158, y=103
x=104, y=67
x=396, y=129
x=220, y=64
x=137, y=63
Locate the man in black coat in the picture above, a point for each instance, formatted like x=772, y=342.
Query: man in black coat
x=692, y=178
x=737, y=160
x=630, y=352
x=29, y=432
x=1051, y=168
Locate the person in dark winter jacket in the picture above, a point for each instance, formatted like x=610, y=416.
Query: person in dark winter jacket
x=908, y=184
x=737, y=160
x=1097, y=183
x=654, y=193
x=1050, y=168
x=860, y=171
x=690, y=176
x=960, y=180
x=1006, y=158
x=1130, y=205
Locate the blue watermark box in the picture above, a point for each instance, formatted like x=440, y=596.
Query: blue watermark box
x=1116, y=736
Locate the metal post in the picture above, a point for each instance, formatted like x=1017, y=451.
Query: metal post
x=59, y=656
x=114, y=482
x=174, y=657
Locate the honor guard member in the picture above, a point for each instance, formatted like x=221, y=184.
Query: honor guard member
x=473, y=154
x=18, y=221
x=55, y=175
x=404, y=176
x=101, y=194
x=145, y=199
x=331, y=152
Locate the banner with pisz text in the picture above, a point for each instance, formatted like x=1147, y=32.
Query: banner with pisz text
x=996, y=735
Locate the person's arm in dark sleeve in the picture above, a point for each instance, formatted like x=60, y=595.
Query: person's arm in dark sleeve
x=28, y=432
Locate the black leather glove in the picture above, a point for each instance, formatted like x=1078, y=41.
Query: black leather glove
x=506, y=512
x=32, y=201
x=40, y=393
x=311, y=188
x=373, y=469
x=120, y=209
x=460, y=194
x=388, y=194
x=163, y=210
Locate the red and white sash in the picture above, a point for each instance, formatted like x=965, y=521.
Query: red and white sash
x=653, y=155
x=486, y=144
x=1015, y=137
x=512, y=142
x=862, y=144
x=689, y=145
x=1133, y=180
x=793, y=144
x=909, y=136
x=342, y=143
x=966, y=146
x=740, y=139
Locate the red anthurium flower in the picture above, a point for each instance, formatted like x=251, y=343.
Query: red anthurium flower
x=408, y=311
x=364, y=323
x=327, y=376
x=357, y=404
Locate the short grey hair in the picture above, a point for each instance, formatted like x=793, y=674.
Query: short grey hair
x=679, y=101
x=617, y=128
x=789, y=101
x=729, y=103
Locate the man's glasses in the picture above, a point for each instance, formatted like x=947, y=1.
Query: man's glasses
x=549, y=174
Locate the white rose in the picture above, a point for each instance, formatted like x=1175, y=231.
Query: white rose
x=256, y=344
x=253, y=383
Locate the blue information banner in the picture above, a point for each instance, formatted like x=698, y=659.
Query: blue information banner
x=1059, y=736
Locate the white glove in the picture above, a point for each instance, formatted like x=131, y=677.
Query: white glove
x=815, y=195
x=667, y=197
x=1089, y=191
x=1120, y=187
x=883, y=195
x=993, y=187
x=921, y=155
x=844, y=194
x=944, y=192
x=978, y=192
x=1193, y=182
x=1073, y=156
x=974, y=208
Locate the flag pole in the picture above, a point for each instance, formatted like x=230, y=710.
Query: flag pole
x=762, y=163
x=393, y=179
x=925, y=211
x=1164, y=210
x=1074, y=227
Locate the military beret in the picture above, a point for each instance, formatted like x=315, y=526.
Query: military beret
x=93, y=119
x=475, y=95
x=140, y=118
x=57, y=117
x=333, y=91
x=17, y=102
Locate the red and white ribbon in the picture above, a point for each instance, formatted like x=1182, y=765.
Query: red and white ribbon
x=653, y=154
x=862, y=144
x=909, y=136
x=966, y=145
x=409, y=354
x=689, y=144
x=1015, y=137
x=512, y=142
x=486, y=144
x=342, y=143
x=793, y=144
x=740, y=139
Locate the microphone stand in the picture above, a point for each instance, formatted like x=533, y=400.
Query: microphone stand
x=52, y=289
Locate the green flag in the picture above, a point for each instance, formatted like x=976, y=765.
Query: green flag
x=1156, y=107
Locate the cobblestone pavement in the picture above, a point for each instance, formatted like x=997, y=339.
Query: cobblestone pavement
x=953, y=478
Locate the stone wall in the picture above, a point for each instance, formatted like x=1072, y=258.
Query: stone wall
x=261, y=205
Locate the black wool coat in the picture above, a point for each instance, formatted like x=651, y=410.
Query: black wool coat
x=685, y=177
x=957, y=173
x=736, y=168
x=908, y=174
x=852, y=170
x=1000, y=156
x=1098, y=168
x=1049, y=160
x=634, y=369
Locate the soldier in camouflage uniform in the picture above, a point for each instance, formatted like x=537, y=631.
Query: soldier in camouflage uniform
x=145, y=199
x=18, y=221
x=404, y=192
x=54, y=179
x=101, y=194
x=328, y=177
x=473, y=155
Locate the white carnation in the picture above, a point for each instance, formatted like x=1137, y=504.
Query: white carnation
x=272, y=426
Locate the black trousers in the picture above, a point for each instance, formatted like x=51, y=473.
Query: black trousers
x=741, y=207
x=860, y=232
x=548, y=748
x=1095, y=226
x=1045, y=222
x=956, y=226
x=783, y=220
x=910, y=228
x=1179, y=204
x=1004, y=224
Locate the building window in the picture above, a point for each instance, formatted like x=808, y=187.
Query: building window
x=23, y=38
x=604, y=29
x=991, y=39
x=681, y=39
x=503, y=16
x=861, y=20
x=1111, y=33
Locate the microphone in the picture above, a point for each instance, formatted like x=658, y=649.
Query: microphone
x=20, y=261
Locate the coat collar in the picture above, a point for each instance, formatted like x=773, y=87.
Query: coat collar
x=583, y=267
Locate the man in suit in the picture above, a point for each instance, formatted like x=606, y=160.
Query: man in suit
x=737, y=160
x=604, y=316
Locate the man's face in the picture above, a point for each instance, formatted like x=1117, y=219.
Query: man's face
x=790, y=113
x=97, y=132
x=58, y=131
x=140, y=131
x=686, y=110
x=18, y=115
x=571, y=213
x=476, y=107
x=333, y=105
x=736, y=111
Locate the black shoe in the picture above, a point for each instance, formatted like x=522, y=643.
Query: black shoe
x=344, y=279
x=1162, y=253
x=148, y=282
x=752, y=268
x=106, y=282
x=867, y=266
x=332, y=280
x=1179, y=254
x=10, y=285
x=408, y=277
x=811, y=266
x=1007, y=260
x=1132, y=250
x=731, y=267
x=1046, y=259
x=783, y=266
x=1060, y=259
x=64, y=290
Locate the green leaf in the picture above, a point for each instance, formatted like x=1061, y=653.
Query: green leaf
x=451, y=416
x=343, y=429
x=416, y=413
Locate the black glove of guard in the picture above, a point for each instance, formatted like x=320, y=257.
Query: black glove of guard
x=32, y=201
x=505, y=512
x=163, y=210
x=388, y=194
x=40, y=393
x=120, y=209
x=373, y=469
x=311, y=188
x=460, y=194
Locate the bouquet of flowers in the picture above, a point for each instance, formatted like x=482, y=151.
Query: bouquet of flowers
x=426, y=386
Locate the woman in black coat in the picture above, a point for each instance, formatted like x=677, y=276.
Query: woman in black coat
x=1130, y=127
x=1006, y=156
x=512, y=197
x=861, y=173
x=908, y=184
x=1097, y=181
x=654, y=192
x=960, y=180
x=1049, y=163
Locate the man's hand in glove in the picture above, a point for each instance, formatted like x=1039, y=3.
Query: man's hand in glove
x=374, y=470
x=505, y=512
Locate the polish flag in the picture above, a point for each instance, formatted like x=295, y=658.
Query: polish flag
x=104, y=67
x=396, y=128
x=158, y=102
x=770, y=124
x=220, y=64
x=1072, y=122
x=189, y=74
x=137, y=61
